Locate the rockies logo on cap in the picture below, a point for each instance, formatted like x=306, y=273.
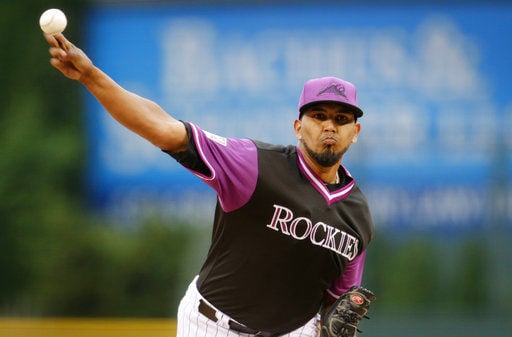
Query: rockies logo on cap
x=335, y=88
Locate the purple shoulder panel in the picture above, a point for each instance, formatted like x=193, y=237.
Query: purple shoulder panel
x=233, y=165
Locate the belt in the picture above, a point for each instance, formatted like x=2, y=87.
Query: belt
x=206, y=310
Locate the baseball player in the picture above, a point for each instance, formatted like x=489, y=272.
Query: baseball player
x=291, y=225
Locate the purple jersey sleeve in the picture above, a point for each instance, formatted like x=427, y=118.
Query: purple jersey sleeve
x=352, y=276
x=233, y=166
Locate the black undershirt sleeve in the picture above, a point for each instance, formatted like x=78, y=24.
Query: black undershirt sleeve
x=190, y=157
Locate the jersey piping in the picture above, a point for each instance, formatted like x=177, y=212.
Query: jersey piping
x=319, y=185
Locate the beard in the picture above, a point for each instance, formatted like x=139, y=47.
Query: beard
x=326, y=158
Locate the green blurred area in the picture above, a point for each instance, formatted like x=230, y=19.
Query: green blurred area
x=59, y=259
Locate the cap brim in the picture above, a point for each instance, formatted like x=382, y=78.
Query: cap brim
x=354, y=109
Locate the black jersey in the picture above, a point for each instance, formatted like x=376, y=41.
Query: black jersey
x=281, y=238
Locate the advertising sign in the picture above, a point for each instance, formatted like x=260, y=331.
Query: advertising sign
x=434, y=82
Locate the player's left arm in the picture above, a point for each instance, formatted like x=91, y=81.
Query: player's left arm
x=346, y=302
x=352, y=276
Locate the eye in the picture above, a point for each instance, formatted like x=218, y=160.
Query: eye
x=318, y=115
x=342, y=119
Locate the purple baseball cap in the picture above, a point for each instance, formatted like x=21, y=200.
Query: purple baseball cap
x=329, y=89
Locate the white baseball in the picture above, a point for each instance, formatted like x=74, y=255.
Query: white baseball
x=53, y=21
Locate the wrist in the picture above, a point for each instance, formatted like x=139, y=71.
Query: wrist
x=88, y=75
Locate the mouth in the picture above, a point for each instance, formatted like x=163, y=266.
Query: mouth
x=328, y=140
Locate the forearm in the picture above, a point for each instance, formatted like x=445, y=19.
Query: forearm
x=140, y=115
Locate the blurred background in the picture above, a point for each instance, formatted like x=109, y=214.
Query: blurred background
x=96, y=223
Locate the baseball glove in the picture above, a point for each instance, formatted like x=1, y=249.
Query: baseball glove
x=342, y=319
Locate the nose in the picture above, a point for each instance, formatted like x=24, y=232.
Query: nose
x=329, y=125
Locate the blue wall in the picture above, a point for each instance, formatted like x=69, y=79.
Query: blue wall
x=434, y=81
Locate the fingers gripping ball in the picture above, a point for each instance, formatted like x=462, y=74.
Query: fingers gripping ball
x=346, y=313
x=53, y=21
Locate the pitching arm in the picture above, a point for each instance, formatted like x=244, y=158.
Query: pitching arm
x=140, y=115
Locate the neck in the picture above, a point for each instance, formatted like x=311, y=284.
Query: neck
x=333, y=181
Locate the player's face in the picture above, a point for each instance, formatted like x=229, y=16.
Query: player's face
x=325, y=132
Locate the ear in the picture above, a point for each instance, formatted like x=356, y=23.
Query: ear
x=297, y=125
x=356, y=132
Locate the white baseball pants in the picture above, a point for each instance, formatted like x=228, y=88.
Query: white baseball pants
x=191, y=323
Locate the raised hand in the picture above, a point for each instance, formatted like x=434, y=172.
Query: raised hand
x=67, y=58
